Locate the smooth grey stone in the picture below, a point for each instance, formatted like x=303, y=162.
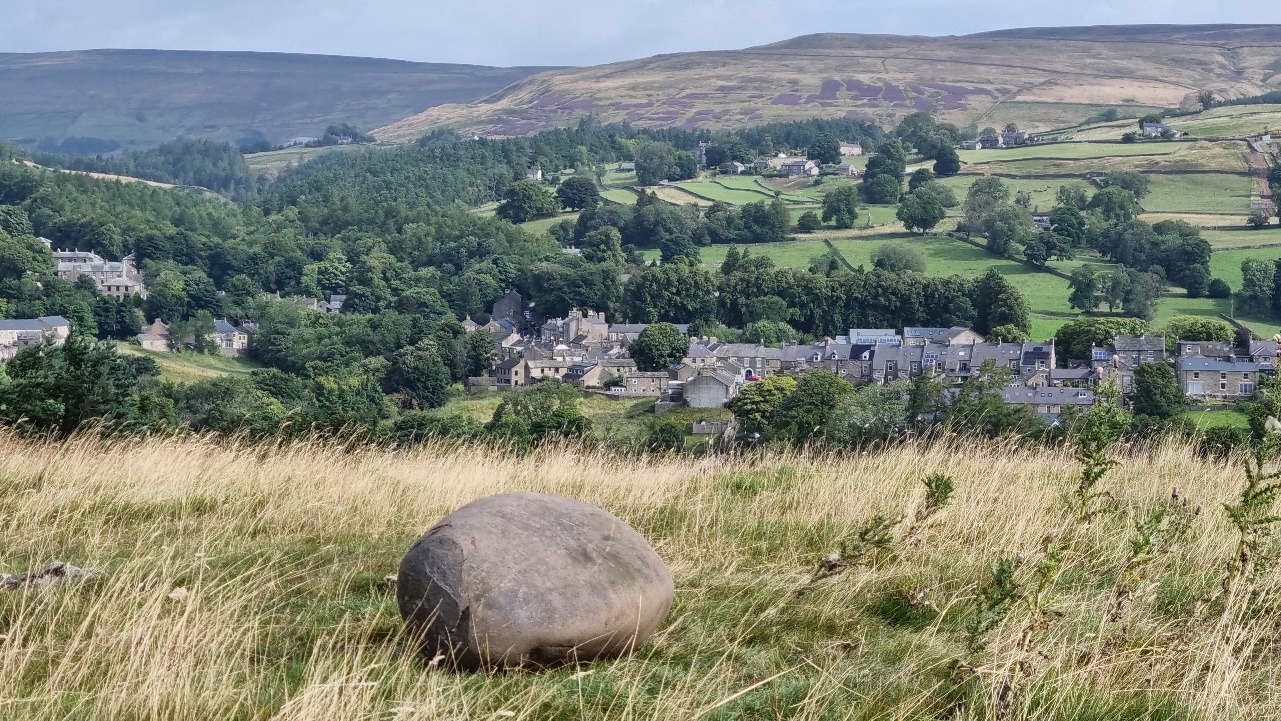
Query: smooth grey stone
x=531, y=580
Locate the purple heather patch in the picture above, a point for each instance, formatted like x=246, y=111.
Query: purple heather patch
x=730, y=88
x=749, y=110
x=863, y=89
x=787, y=99
x=924, y=104
x=829, y=89
x=583, y=104
x=551, y=100
x=678, y=103
x=954, y=105
x=697, y=96
x=893, y=94
x=633, y=115
x=634, y=106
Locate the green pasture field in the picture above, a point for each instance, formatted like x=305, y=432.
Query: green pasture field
x=1200, y=193
x=542, y=225
x=1229, y=239
x=1235, y=121
x=1077, y=151
x=619, y=195
x=1225, y=156
x=1043, y=192
x=1226, y=264
x=615, y=179
x=1040, y=116
x=714, y=191
x=741, y=182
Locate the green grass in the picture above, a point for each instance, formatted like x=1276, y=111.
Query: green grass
x=1219, y=419
x=542, y=225
x=188, y=367
x=1076, y=151
x=714, y=191
x=1228, y=239
x=618, y=195
x=1200, y=193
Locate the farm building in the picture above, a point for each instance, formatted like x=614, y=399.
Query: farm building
x=851, y=150
x=1155, y=130
x=802, y=167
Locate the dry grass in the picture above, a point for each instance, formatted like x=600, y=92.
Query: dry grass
x=284, y=614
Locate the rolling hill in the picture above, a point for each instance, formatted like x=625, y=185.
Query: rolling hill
x=137, y=98
x=1041, y=78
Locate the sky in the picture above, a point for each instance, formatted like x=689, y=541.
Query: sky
x=547, y=32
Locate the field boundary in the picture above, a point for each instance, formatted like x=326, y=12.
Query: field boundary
x=839, y=255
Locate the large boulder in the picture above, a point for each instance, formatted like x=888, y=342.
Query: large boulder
x=528, y=579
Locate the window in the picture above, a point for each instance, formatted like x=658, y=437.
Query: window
x=1245, y=376
x=1247, y=389
x=1223, y=375
x=1196, y=374
x=1196, y=389
x=1223, y=386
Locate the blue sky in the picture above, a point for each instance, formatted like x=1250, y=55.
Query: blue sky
x=547, y=32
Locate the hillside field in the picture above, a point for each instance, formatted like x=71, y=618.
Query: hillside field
x=188, y=367
x=250, y=583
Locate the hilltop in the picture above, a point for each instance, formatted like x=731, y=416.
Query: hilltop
x=1041, y=78
x=138, y=98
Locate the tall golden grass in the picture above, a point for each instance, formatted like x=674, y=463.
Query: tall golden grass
x=248, y=583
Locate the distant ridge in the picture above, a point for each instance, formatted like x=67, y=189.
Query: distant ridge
x=1039, y=78
x=145, y=97
x=1118, y=33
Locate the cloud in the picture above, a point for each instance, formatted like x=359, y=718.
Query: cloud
x=544, y=32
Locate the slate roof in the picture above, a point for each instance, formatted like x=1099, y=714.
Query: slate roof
x=21, y=325
x=1048, y=396
x=222, y=326
x=1197, y=363
x=1131, y=343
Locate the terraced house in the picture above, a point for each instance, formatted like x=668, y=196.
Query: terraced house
x=1211, y=380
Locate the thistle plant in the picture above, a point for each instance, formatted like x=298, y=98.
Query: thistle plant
x=1253, y=515
x=938, y=492
x=1155, y=533
x=997, y=596
x=1097, y=431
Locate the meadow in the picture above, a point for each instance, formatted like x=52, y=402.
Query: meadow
x=189, y=367
x=1215, y=193
x=244, y=582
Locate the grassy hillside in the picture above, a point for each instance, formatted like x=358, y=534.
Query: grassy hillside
x=251, y=585
x=189, y=367
x=146, y=97
x=1041, y=80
